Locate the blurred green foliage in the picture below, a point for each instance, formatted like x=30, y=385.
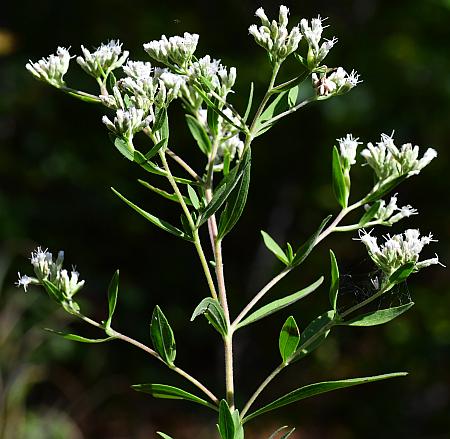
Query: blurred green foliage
x=56, y=167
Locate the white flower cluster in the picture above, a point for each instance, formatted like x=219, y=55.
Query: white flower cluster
x=176, y=50
x=348, y=146
x=213, y=74
x=390, y=213
x=128, y=122
x=51, y=69
x=47, y=269
x=274, y=36
x=338, y=82
x=389, y=162
x=103, y=60
x=313, y=34
x=398, y=250
x=137, y=69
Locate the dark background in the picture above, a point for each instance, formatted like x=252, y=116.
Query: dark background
x=56, y=167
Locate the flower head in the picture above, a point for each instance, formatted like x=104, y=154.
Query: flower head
x=388, y=161
x=51, y=69
x=312, y=33
x=127, y=122
x=338, y=82
x=103, y=60
x=398, y=250
x=274, y=36
x=137, y=69
x=348, y=146
x=390, y=213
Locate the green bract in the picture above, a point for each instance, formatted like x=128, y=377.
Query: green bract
x=211, y=198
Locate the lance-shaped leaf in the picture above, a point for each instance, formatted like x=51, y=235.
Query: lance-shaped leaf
x=193, y=197
x=370, y=213
x=302, y=253
x=235, y=204
x=53, y=291
x=124, y=148
x=213, y=312
x=334, y=285
x=238, y=427
x=402, y=273
x=249, y=103
x=378, y=317
x=224, y=189
x=79, y=338
x=317, y=389
x=113, y=291
x=199, y=134
x=289, y=338
x=161, y=120
x=272, y=245
x=384, y=189
x=314, y=335
x=226, y=422
x=279, y=304
x=163, y=435
x=340, y=189
x=153, y=151
x=285, y=436
x=164, y=391
x=162, y=336
x=163, y=193
x=153, y=219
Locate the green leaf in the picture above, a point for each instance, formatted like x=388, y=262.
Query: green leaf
x=370, y=213
x=285, y=436
x=341, y=191
x=224, y=189
x=113, y=291
x=124, y=148
x=302, y=253
x=384, y=189
x=164, y=435
x=164, y=391
x=199, y=134
x=249, y=104
x=274, y=248
x=153, y=219
x=167, y=195
x=162, y=336
x=213, y=312
x=160, y=119
x=226, y=422
x=235, y=204
x=193, y=197
x=402, y=273
x=279, y=304
x=79, y=338
x=238, y=427
x=153, y=151
x=289, y=338
x=378, y=317
x=53, y=291
x=334, y=286
x=310, y=338
x=317, y=389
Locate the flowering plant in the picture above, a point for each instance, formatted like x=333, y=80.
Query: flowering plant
x=137, y=101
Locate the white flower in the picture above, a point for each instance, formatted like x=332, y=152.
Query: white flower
x=51, y=69
x=348, y=146
x=24, y=281
x=397, y=250
x=337, y=82
x=137, y=69
x=313, y=34
x=175, y=50
x=127, y=122
x=386, y=213
x=274, y=36
x=70, y=285
x=389, y=162
x=103, y=60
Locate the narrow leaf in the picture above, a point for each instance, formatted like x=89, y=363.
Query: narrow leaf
x=402, y=273
x=167, y=195
x=289, y=338
x=312, y=337
x=193, y=197
x=384, y=189
x=214, y=313
x=199, y=134
x=124, y=148
x=238, y=427
x=153, y=219
x=279, y=304
x=370, y=214
x=334, y=285
x=162, y=336
x=160, y=119
x=317, y=389
x=164, y=435
x=250, y=102
x=235, y=204
x=226, y=423
x=153, y=151
x=164, y=391
x=113, y=291
x=274, y=248
x=79, y=338
x=53, y=291
x=339, y=187
x=378, y=317
x=302, y=253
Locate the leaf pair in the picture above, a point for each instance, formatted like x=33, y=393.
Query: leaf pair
x=162, y=336
x=230, y=425
x=214, y=313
